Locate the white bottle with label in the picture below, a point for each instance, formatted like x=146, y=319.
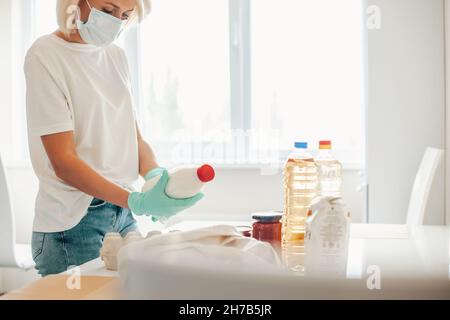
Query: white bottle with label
x=327, y=238
x=184, y=181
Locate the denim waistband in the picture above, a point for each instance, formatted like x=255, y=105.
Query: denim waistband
x=96, y=201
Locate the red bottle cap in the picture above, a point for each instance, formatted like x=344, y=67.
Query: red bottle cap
x=206, y=173
x=325, y=144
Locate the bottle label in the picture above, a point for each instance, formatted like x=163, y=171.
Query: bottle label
x=326, y=239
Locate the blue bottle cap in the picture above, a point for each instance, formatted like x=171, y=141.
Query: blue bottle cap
x=301, y=145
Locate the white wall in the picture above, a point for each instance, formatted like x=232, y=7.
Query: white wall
x=406, y=111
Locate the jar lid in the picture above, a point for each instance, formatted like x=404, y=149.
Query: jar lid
x=267, y=216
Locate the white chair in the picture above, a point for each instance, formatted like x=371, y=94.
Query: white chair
x=422, y=186
x=12, y=255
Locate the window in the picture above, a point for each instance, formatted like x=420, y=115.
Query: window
x=185, y=75
x=256, y=75
x=307, y=72
x=31, y=19
x=185, y=68
x=234, y=81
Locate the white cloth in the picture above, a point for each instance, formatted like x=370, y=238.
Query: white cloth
x=175, y=260
x=220, y=246
x=84, y=89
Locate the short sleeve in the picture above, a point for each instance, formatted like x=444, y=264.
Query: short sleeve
x=47, y=108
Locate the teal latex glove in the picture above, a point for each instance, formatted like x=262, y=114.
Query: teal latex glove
x=153, y=173
x=156, y=203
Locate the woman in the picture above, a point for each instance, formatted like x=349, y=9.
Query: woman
x=85, y=146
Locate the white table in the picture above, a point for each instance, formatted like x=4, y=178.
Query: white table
x=412, y=263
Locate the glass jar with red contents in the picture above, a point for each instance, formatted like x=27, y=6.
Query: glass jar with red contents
x=267, y=227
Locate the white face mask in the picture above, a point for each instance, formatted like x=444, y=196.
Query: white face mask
x=101, y=29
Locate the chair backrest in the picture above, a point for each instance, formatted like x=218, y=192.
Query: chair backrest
x=422, y=186
x=7, y=228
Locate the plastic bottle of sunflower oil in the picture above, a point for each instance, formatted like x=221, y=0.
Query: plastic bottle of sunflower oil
x=301, y=187
x=330, y=171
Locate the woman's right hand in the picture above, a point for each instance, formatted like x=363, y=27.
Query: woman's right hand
x=156, y=203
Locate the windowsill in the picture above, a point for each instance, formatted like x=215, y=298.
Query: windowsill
x=349, y=166
x=346, y=166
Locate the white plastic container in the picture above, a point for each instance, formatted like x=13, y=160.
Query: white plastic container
x=185, y=181
x=327, y=238
x=131, y=237
x=113, y=242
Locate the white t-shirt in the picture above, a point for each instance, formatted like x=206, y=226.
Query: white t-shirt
x=84, y=89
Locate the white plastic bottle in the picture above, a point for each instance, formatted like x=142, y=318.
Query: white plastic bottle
x=330, y=171
x=327, y=238
x=184, y=181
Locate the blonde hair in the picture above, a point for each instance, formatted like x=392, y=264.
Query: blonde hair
x=66, y=13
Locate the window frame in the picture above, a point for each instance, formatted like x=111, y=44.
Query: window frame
x=240, y=71
x=240, y=67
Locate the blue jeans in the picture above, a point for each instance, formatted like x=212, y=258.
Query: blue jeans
x=56, y=252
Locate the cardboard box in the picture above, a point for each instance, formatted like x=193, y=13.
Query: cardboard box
x=65, y=287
